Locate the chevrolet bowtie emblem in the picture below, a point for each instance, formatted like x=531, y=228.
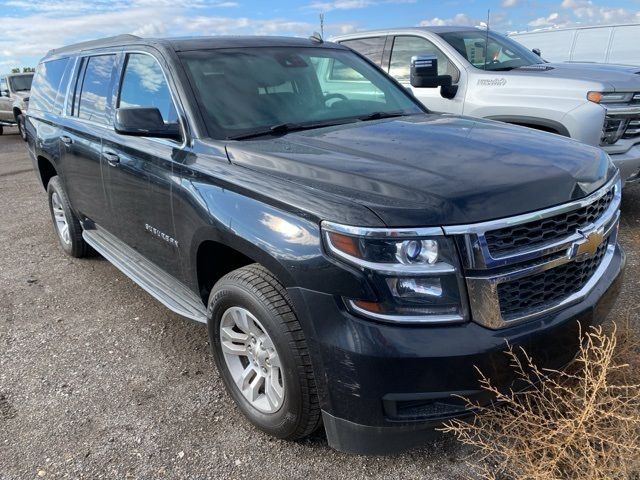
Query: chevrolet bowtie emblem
x=588, y=246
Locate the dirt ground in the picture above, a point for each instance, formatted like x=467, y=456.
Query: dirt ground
x=99, y=380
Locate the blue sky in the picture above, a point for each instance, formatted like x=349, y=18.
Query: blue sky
x=32, y=27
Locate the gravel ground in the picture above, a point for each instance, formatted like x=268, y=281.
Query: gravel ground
x=98, y=380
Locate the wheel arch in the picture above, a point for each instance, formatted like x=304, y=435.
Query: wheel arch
x=46, y=169
x=216, y=256
x=544, y=124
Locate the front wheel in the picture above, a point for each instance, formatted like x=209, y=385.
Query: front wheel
x=261, y=353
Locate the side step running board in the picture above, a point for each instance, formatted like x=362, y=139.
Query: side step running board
x=159, y=284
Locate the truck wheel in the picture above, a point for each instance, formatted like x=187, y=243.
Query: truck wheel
x=261, y=353
x=21, y=130
x=65, y=222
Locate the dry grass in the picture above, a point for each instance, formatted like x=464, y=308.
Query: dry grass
x=582, y=423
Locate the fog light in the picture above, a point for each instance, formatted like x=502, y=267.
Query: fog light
x=415, y=287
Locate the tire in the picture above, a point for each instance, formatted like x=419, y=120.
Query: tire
x=21, y=130
x=62, y=215
x=1, y=130
x=255, y=290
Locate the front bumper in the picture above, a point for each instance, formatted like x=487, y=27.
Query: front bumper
x=384, y=387
x=627, y=161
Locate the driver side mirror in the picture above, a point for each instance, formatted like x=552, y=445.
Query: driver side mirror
x=537, y=51
x=4, y=93
x=424, y=74
x=145, y=122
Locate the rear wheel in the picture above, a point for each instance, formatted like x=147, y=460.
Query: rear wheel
x=65, y=222
x=21, y=130
x=261, y=353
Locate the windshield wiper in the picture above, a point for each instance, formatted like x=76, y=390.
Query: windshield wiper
x=282, y=128
x=379, y=115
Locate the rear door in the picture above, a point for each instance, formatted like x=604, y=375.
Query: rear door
x=88, y=116
x=138, y=174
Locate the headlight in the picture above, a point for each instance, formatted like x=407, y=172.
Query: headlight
x=415, y=272
x=609, y=97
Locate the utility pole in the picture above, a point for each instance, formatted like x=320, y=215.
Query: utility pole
x=322, y=25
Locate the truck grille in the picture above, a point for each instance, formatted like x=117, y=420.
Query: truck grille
x=527, y=295
x=633, y=129
x=523, y=267
x=531, y=234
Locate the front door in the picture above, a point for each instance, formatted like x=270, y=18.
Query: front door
x=138, y=175
x=406, y=46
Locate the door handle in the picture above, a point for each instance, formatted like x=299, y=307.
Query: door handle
x=112, y=158
x=66, y=140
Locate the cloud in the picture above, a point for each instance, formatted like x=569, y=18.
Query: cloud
x=327, y=6
x=584, y=12
x=497, y=19
x=509, y=3
x=33, y=33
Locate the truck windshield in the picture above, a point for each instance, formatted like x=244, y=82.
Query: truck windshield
x=493, y=52
x=21, y=83
x=245, y=92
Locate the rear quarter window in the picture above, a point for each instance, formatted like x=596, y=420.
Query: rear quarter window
x=48, y=88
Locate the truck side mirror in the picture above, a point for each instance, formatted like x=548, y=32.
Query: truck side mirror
x=4, y=93
x=537, y=51
x=144, y=122
x=424, y=74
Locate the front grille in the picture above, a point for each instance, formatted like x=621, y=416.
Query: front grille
x=531, y=234
x=633, y=129
x=528, y=295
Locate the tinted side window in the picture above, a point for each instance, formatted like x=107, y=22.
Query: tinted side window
x=371, y=48
x=46, y=85
x=406, y=47
x=94, y=93
x=144, y=85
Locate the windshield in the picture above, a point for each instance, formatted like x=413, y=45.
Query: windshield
x=247, y=90
x=21, y=82
x=498, y=53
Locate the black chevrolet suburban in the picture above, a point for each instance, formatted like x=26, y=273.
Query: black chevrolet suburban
x=355, y=257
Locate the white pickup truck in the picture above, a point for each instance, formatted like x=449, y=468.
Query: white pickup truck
x=488, y=75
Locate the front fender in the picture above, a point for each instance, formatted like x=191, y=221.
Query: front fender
x=286, y=243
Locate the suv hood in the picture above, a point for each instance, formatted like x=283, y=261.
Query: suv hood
x=617, y=77
x=432, y=170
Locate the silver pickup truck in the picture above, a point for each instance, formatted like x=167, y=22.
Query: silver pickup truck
x=14, y=94
x=488, y=75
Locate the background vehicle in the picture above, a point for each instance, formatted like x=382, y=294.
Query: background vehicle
x=315, y=226
x=14, y=94
x=509, y=83
x=603, y=43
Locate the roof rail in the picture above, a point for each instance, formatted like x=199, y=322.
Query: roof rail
x=99, y=42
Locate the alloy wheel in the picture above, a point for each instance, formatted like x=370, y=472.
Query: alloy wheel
x=252, y=359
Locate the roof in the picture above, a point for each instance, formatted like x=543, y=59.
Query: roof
x=15, y=74
x=435, y=29
x=191, y=43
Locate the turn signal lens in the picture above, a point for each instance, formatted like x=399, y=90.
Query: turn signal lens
x=345, y=243
x=594, y=97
